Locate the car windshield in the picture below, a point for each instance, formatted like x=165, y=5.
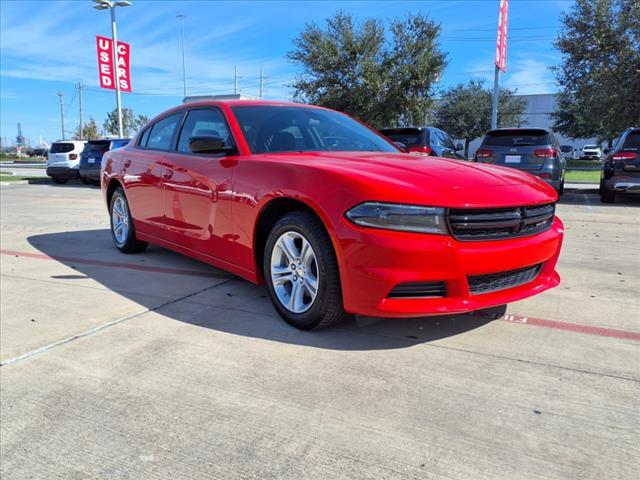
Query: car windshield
x=274, y=128
x=590, y=147
x=565, y=148
x=511, y=138
x=60, y=147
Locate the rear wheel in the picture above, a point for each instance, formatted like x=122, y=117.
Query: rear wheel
x=301, y=272
x=59, y=180
x=122, y=229
x=606, y=195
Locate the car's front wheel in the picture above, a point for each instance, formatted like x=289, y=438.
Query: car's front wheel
x=606, y=195
x=301, y=272
x=122, y=229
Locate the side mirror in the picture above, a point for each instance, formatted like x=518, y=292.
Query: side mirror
x=206, y=144
x=401, y=146
x=459, y=147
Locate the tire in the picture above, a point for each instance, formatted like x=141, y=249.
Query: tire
x=85, y=181
x=60, y=181
x=561, y=188
x=606, y=195
x=125, y=238
x=319, y=266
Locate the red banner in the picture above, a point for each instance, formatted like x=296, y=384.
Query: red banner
x=501, y=41
x=106, y=72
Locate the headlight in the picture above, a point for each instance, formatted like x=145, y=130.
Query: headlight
x=407, y=218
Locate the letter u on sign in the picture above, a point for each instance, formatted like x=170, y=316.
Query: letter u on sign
x=106, y=70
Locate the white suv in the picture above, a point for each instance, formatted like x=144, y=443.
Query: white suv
x=63, y=160
x=590, y=152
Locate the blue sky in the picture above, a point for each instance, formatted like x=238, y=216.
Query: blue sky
x=49, y=46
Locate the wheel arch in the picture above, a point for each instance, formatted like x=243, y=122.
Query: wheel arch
x=111, y=188
x=270, y=213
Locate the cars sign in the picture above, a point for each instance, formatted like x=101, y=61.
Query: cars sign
x=106, y=72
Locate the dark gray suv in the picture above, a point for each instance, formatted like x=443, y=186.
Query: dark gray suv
x=533, y=150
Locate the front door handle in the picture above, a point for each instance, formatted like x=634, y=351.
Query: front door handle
x=127, y=163
x=167, y=174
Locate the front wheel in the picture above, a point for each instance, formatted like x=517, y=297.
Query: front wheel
x=122, y=229
x=606, y=195
x=301, y=272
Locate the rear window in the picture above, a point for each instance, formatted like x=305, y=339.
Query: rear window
x=119, y=143
x=633, y=140
x=408, y=136
x=510, y=138
x=60, y=147
x=97, y=146
x=565, y=148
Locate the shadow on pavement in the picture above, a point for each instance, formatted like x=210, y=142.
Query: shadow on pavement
x=233, y=306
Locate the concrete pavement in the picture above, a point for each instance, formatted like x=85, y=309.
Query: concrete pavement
x=157, y=366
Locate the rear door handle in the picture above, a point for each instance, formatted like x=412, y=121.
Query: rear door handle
x=167, y=174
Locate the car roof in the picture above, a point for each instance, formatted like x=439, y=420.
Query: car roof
x=511, y=129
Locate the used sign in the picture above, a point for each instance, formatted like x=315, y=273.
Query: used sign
x=106, y=71
x=501, y=41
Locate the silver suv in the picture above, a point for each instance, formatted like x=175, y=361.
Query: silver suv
x=533, y=150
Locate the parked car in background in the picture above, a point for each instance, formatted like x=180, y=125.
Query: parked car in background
x=590, y=152
x=425, y=141
x=63, y=160
x=330, y=214
x=533, y=150
x=38, y=152
x=568, y=152
x=621, y=169
x=91, y=157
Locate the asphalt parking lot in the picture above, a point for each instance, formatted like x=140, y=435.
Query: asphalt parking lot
x=157, y=366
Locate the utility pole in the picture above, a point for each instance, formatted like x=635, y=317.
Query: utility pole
x=61, y=113
x=235, y=79
x=261, y=82
x=80, y=103
x=181, y=17
x=496, y=93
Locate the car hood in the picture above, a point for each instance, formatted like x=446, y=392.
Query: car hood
x=433, y=180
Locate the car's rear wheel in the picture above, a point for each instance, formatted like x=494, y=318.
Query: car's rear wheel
x=301, y=272
x=607, y=195
x=59, y=180
x=122, y=229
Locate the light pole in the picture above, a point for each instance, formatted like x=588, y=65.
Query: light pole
x=181, y=17
x=111, y=6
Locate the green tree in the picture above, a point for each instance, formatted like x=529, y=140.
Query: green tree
x=599, y=75
x=381, y=76
x=131, y=123
x=464, y=111
x=89, y=131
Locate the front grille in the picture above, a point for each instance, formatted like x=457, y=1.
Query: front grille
x=498, y=223
x=501, y=281
x=418, y=289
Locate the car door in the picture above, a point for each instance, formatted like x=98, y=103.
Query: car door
x=142, y=174
x=196, y=187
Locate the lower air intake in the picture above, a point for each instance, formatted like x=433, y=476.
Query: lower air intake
x=418, y=290
x=494, y=282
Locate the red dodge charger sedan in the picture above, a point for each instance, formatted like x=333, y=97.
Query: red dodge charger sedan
x=333, y=217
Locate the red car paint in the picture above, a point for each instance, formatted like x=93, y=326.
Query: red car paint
x=208, y=209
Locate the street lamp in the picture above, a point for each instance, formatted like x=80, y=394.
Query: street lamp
x=111, y=5
x=181, y=18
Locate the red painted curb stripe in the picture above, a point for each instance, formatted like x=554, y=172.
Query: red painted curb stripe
x=130, y=266
x=573, y=327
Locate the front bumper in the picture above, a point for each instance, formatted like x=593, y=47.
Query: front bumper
x=373, y=262
x=62, y=172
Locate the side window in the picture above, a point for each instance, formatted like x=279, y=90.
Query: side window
x=204, y=122
x=447, y=142
x=144, y=137
x=162, y=132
